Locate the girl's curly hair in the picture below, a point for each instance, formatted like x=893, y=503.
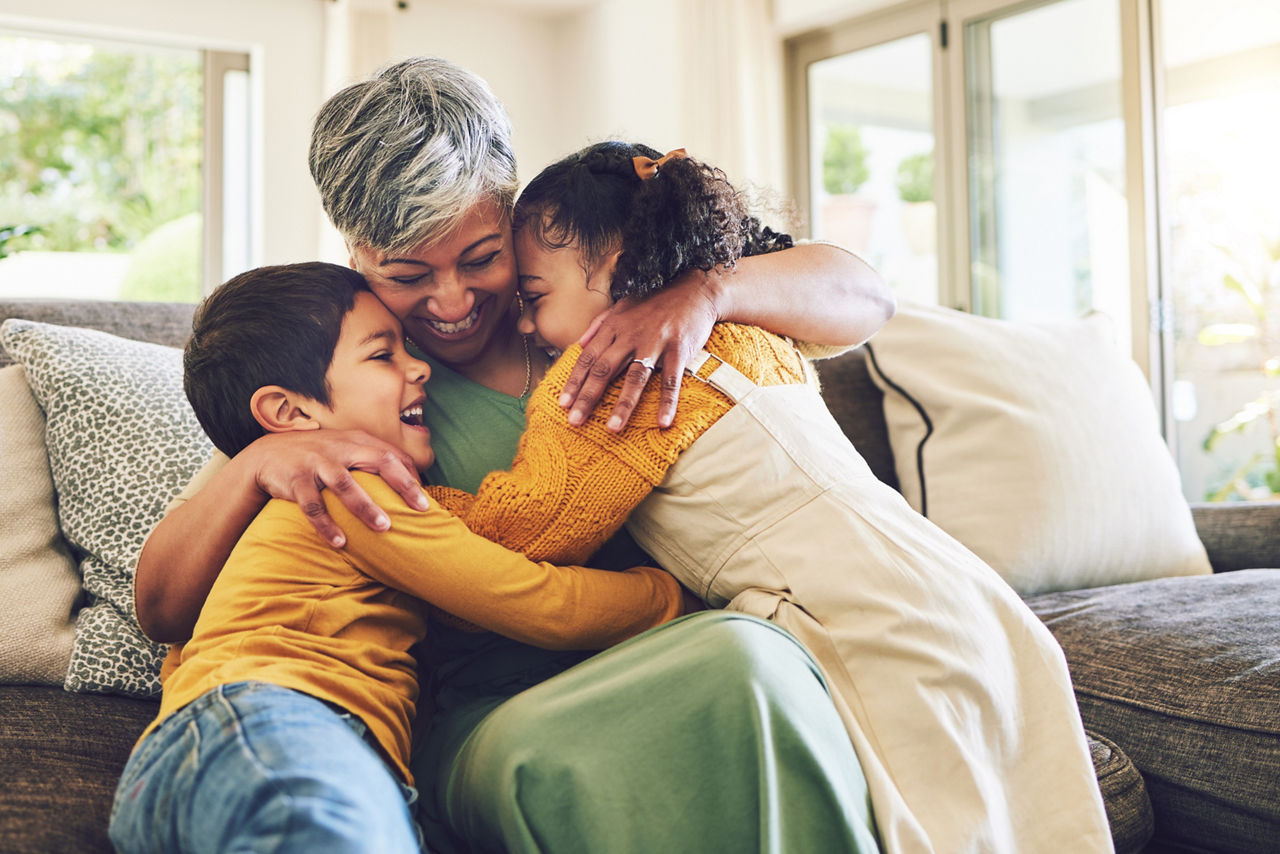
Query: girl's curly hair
x=687, y=216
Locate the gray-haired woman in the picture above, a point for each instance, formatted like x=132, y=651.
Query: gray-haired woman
x=714, y=733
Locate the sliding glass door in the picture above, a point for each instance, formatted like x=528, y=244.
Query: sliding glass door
x=1219, y=77
x=1045, y=147
x=868, y=130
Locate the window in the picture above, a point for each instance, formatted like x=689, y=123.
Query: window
x=1046, y=162
x=1220, y=117
x=1113, y=155
x=869, y=133
x=123, y=169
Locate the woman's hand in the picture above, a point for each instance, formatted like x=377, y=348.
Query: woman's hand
x=185, y=552
x=638, y=336
x=296, y=466
x=816, y=293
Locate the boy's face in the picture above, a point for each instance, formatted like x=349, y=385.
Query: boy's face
x=374, y=385
x=561, y=297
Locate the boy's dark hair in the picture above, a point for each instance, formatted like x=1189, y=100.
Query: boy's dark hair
x=687, y=216
x=269, y=326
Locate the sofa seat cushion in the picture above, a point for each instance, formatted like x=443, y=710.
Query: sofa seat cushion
x=62, y=755
x=1123, y=794
x=1183, y=674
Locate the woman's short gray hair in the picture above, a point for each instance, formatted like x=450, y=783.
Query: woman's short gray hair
x=401, y=156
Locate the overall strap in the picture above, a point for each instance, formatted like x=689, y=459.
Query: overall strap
x=723, y=377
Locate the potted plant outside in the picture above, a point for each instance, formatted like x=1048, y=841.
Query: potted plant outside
x=845, y=215
x=919, y=213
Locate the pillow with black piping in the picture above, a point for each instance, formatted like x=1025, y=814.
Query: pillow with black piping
x=1037, y=445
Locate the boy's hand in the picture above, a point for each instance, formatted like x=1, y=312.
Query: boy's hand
x=665, y=330
x=296, y=466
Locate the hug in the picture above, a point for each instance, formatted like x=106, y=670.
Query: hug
x=525, y=427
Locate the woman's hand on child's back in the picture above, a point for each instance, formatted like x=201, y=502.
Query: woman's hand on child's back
x=296, y=466
x=662, y=332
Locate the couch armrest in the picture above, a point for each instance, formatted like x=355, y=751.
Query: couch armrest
x=1240, y=535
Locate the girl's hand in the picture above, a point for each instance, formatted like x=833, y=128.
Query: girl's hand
x=665, y=330
x=296, y=466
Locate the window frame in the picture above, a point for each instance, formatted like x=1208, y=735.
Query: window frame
x=1140, y=111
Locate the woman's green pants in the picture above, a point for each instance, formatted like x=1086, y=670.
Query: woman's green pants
x=712, y=733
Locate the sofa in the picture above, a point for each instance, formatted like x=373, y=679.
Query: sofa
x=1177, y=678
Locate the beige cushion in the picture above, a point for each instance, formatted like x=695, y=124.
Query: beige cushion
x=1035, y=445
x=38, y=580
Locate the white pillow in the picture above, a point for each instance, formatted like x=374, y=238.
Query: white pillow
x=1035, y=445
x=38, y=580
x=122, y=441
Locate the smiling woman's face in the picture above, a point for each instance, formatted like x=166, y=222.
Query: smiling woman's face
x=453, y=295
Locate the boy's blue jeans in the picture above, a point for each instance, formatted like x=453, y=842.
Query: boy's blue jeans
x=254, y=767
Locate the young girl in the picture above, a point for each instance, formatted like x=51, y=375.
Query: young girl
x=957, y=699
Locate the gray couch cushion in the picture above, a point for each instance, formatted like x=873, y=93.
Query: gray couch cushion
x=1124, y=795
x=167, y=323
x=62, y=755
x=1183, y=674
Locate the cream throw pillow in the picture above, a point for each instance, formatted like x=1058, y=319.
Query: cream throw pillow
x=38, y=580
x=1035, y=445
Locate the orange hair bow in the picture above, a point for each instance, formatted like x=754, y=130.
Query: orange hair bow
x=647, y=167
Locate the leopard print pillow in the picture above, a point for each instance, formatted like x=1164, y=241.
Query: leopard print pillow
x=122, y=441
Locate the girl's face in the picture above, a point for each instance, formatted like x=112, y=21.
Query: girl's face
x=453, y=295
x=561, y=297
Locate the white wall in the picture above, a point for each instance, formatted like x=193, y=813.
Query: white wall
x=283, y=38
x=612, y=69
x=795, y=16
x=514, y=51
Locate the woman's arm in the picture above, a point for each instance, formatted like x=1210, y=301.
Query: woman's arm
x=817, y=292
x=185, y=552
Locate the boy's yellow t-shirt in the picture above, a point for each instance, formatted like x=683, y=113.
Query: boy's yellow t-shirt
x=289, y=610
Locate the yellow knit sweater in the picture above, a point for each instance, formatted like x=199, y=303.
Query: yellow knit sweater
x=571, y=488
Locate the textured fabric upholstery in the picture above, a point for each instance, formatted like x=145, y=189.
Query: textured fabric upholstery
x=62, y=754
x=167, y=323
x=1124, y=794
x=1183, y=675
x=1239, y=535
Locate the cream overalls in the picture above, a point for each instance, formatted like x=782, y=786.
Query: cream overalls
x=956, y=696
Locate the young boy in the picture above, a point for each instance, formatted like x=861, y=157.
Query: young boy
x=285, y=719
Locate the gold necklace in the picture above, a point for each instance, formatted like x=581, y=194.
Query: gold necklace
x=528, y=368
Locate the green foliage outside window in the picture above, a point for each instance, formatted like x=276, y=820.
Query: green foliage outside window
x=844, y=160
x=1257, y=333
x=915, y=178
x=99, y=147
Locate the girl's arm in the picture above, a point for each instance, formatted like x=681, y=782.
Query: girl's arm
x=817, y=292
x=185, y=552
x=434, y=557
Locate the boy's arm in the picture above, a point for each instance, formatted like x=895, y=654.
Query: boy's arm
x=434, y=556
